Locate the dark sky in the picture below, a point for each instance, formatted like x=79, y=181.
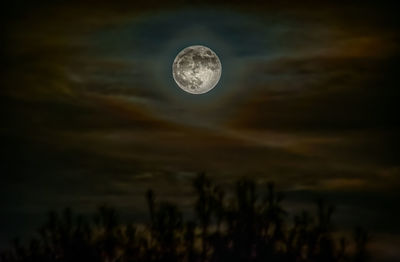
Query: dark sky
x=308, y=98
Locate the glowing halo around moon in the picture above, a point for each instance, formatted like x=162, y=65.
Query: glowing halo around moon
x=196, y=69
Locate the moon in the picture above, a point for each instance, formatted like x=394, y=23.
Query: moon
x=196, y=69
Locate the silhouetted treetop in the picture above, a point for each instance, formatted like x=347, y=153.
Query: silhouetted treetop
x=253, y=226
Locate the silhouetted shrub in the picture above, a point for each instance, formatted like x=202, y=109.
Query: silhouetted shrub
x=245, y=228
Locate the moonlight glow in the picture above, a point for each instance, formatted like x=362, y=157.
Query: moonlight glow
x=196, y=69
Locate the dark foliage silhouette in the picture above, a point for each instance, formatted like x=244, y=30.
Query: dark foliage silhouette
x=243, y=227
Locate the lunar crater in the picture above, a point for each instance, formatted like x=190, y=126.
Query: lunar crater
x=196, y=69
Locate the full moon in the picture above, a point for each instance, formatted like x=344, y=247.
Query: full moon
x=196, y=69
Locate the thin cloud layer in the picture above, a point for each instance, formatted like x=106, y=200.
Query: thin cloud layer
x=307, y=98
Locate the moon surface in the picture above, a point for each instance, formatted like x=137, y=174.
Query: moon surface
x=196, y=69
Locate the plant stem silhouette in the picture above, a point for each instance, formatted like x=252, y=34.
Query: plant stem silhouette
x=250, y=226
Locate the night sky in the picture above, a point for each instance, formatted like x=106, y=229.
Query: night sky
x=307, y=98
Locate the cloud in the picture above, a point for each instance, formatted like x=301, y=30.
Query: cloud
x=308, y=99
